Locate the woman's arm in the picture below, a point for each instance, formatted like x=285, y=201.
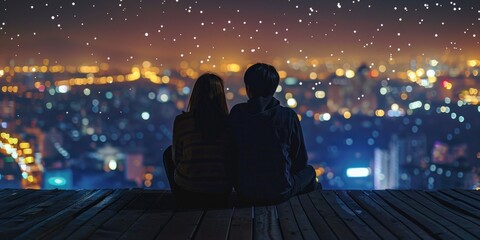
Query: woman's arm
x=177, y=145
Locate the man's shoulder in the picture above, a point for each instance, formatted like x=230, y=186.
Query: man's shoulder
x=287, y=111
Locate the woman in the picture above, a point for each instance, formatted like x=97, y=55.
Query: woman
x=197, y=164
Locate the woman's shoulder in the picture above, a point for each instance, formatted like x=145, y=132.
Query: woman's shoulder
x=184, y=115
x=184, y=118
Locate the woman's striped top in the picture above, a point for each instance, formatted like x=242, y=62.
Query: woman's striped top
x=201, y=164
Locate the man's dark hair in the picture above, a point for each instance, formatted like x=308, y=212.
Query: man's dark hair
x=261, y=80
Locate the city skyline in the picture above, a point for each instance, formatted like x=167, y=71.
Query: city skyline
x=125, y=33
x=90, y=89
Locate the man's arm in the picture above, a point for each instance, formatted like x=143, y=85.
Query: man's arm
x=298, y=149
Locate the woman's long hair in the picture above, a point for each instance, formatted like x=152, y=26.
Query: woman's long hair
x=208, y=105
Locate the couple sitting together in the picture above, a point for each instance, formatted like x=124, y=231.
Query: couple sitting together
x=257, y=149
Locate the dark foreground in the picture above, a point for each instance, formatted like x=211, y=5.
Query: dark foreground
x=149, y=214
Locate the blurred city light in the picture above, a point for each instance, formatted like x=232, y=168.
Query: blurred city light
x=358, y=172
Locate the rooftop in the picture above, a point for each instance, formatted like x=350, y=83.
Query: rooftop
x=326, y=214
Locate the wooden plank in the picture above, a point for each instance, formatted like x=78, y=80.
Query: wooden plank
x=359, y=228
x=24, y=220
x=304, y=224
x=325, y=215
x=476, y=192
x=20, y=193
x=241, y=226
x=3, y=193
x=182, y=225
x=445, y=222
x=117, y=224
x=465, y=222
x=319, y=224
x=455, y=204
x=215, y=224
x=16, y=197
x=474, y=218
x=373, y=224
x=7, y=193
x=287, y=220
x=466, y=199
x=431, y=226
x=40, y=209
x=94, y=223
x=14, y=208
x=68, y=228
x=469, y=193
x=160, y=213
x=63, y=213
x=334, y=221
x=400, y=226
x=265, y=223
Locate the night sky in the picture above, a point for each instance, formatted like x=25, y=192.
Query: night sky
x=124, y=33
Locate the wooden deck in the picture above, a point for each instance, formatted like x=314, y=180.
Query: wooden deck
x=149, y=214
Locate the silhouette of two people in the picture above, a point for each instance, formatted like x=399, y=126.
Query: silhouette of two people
x=258, y=149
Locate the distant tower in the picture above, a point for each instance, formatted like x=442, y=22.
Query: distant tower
x=411, y=154
x=355, y=94
x=385, y=170
x=135, y=169
x=394, y=162
x=7, y=108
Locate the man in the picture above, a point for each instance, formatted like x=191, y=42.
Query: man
x=271, y=156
